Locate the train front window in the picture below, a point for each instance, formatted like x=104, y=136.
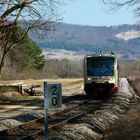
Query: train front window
x=100, y=67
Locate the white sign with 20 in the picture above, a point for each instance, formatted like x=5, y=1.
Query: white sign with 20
x=53, y=95
x=52, y=99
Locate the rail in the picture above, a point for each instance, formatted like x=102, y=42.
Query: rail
x=35, y=128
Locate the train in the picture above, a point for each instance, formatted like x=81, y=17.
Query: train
x=101, y=75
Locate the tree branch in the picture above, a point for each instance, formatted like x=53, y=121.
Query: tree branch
x=24, y=4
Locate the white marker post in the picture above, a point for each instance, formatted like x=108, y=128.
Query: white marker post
x=52, y=99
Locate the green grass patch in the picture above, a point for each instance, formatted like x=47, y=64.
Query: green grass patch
x=20, y=100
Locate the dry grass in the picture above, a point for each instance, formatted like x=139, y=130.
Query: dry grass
x=29, y=82
x=70, y=86
x=136, y=85
x=127, y=128
x=9, y=95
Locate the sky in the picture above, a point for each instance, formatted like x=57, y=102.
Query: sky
x=95, y=13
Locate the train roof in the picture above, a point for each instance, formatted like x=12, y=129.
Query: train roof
x=101, y=55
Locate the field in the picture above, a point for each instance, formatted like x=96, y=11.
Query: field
x=15, y=104
x=69, y=86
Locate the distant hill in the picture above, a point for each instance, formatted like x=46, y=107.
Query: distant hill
x=75, y=40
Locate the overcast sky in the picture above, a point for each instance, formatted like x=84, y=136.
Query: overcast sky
x=91, y=12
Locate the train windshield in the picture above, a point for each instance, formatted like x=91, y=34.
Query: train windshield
x=100, y=66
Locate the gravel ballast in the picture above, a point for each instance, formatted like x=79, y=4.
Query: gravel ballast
x=94, y=125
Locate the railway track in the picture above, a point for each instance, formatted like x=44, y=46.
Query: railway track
x=35, y=129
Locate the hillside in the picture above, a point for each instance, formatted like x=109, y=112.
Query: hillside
x=74, y=41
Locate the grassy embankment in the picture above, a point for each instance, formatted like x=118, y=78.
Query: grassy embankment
x=128, y=128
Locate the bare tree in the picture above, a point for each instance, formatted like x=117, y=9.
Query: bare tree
x=30, y=14
x=117, y=4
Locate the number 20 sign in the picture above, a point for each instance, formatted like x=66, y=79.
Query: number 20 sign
x=52, y=95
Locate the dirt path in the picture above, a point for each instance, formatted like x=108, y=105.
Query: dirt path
x=9, y=111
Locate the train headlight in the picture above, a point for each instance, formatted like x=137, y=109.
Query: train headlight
x=89, y=79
